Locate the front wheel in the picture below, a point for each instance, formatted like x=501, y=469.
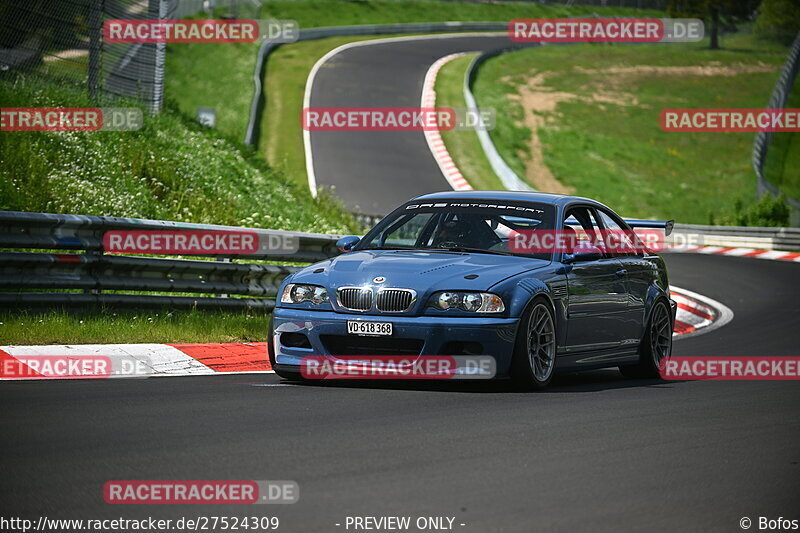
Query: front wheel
x=534, y=357
x=656, y=345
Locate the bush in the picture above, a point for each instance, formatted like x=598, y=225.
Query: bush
x=769, y=211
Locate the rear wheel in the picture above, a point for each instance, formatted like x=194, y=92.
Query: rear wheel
x=656, y=344
x=534, y=357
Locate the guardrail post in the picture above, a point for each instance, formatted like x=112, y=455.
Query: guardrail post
x=93, y=270
x=161, y=9
x=223, y=260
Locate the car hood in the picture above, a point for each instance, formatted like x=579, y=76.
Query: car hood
x=420, y=270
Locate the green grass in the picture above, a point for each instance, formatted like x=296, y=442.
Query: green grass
x=213, y=75
x=172, y=169
x=32, y=328
x=617, y=153
x=463, y=145
x=782, y=166
x=316, y=13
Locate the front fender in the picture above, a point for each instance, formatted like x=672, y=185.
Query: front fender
x=525, y=291
x=523, y=294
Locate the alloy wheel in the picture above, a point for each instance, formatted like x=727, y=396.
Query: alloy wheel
x=660, y=334
x=541, y=343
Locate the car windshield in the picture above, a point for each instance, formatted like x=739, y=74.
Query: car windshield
x=458, y=226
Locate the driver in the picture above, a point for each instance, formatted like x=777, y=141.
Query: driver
x=465, y=231
x=449, y=234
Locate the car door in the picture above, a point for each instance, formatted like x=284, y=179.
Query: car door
x=638, y=272
x=597, y=302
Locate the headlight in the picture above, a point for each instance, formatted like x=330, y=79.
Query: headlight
x=476, y=302
x=297, y=293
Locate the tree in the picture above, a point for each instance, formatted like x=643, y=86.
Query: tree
x=779, y=20
x=715, y=13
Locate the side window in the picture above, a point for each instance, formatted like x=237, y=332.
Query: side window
x=583, y=223
x=617, y=239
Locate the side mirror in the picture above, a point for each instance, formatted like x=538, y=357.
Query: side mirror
x=345, y=244
x=583, y=252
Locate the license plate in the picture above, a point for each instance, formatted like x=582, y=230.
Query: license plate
x=360, y=327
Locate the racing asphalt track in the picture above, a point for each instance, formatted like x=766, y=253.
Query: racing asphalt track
x=369, y=177
x=594, y=452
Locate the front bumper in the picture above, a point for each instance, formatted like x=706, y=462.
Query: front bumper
x=434, y=335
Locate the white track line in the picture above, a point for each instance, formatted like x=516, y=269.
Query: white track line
x=312, y=179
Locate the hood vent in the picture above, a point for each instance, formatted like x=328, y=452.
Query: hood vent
x=434, y=269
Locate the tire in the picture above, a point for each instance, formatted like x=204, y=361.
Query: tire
x=656, y=344
x=285, y=374
x=533, y=362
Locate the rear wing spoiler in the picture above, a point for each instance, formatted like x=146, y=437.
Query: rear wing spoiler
x=651, y=224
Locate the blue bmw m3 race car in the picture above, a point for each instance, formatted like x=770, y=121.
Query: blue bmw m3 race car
x=459, y=274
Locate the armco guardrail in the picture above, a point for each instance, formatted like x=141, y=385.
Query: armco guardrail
x=45, y=278
x=257, y=105
x=509, y=178
x=785, y=239
x=778, y=100
x=235, y=285
x=20, y=229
